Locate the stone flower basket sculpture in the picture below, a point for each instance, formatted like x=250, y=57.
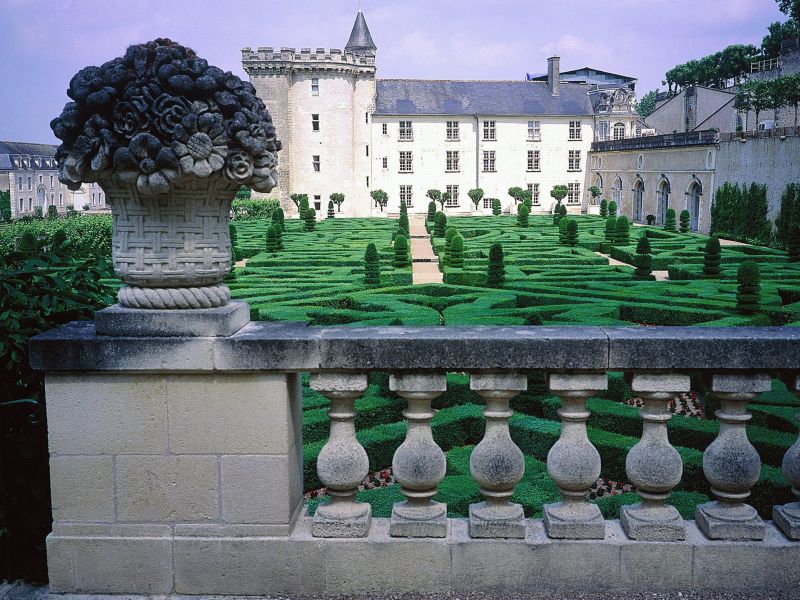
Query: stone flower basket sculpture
x=170, y=139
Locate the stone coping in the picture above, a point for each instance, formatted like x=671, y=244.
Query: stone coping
x=291, y=346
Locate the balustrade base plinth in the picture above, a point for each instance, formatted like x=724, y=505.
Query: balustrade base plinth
x=412, y=520
x=351, y=521
x=574, y=521
x=787, y=518
x=726, y=521
x=652, y=523
x=504, y=521
x=221, y=321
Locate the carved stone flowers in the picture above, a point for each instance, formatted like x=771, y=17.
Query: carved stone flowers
x=160, y=114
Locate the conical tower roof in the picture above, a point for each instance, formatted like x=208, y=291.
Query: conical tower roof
x=360, y=39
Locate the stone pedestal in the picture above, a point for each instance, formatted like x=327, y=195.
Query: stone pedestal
x=419, y=464
x=197, y=322
x=787, y=517
x=496, y=463
x=653, y=465
x=731, y=463
x=342, y=463
x=573, y=462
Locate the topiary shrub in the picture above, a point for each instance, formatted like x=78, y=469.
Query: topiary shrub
x=604, y=208
x=497, y=209
x=622, y=234
x=571, y=235
x=309, y=220
x=748, y=294
x=669, y=222
x=278, y=219
x=402, y=223
x=272, y=239
x=496, y=271
x=562, y=230
x=331, y=210
x=439, y=224
x=685, y=221
x=611, y=229
x=27, y=243
x=449, y=234
x=401, y=259
x=456, y=259
x=431, y=210
x=236, y=252
x=712, y=258
x=612, y=209
x=52, y=212
x=303, y=206
x=372, y=266
x=651, y=219
x=38, y=214
x=522, y=215
x=643, y=261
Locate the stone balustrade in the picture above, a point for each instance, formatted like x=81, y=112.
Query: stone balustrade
x=176, y=463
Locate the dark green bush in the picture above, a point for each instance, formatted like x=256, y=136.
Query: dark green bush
x=571, y=236
x=643, y=260
x=712, y=258
x=496, y=207
x=604, y=208
x=439, y=224
x=278, y=218
x=456, y=259
x=748, y=294
x=272, y=239
x=611, y=229
x=622, y=233
x=651, y=219
x=522, y=215
x=372, y=267
x=612, y=209
x=431, y=210
x=401, y=259
x=251, y=210
x=669, y=222
x=686, y=221
x=309, y=219
x=331, y=210
x=496, y=272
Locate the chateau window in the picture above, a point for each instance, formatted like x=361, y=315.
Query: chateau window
x=619, y=131
x=574, y=160
x=603, y=128
x=452, y=202
x=534, y=161
x=489, y=130
x=488, y=161
x=385, y=129
x=452, y=130
x=405, y=194
x=405, y=161
x=51, y=182
x=317, y=203
x=406, y=132
x=53, y=199
x=41, y=179
x=367, y=147
x=385, y=162
x=533, y=188
x=19, y=182
x=367, y=180
x=452, y=161
x=315, y=86
x=30, y=183
x=487, y=202
x=574, y=130
x=573, y=193
x=21, y=204
x=366, y=118
x=534, y=131
x=315, y=162
x=61, y=199
x=314, y=122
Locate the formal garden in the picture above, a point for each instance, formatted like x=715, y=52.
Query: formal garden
x=498, y=270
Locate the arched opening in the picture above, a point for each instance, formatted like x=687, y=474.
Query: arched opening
x=598, y=182
x=619, y=131
x=41, y=196
x=638, y=199
x=616, y=191
x=662, y=197
x=694, y=194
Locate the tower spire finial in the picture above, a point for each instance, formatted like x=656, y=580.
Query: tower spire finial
x=360, y=38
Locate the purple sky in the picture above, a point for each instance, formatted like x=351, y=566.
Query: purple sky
x=44, y=42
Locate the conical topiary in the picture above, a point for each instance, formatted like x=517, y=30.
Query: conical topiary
x=571, y=234
x=456, y=260
x=622, y=236
x=712, y=258
x=604, y=208
x=496, y=271
x=402, y=223
x=449, y=234
x=439, y=224
x=686, y=221
x=403, y=208
x=401, y=259
x=522, y=215
x=331, y=210
x=612, y=209
x=310, y=220
x=562, y=230
x=748, y=294
x=643, y=261
x=431, y=210
x=372, y=266
x=669, y=221
x=497, y=209
x=278, y=218
x=272, y=239
x=611, y=229
x=303, y=205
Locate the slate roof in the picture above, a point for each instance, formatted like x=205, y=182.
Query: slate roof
x=360, y=39
x=543, y=76
x=491, y=98
x=8, y=149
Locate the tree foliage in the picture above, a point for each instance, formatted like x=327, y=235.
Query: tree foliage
x=338, y=200
x=380, y=197
x=740, y=213
x=476, y=195
x=647, y=104
x=715, y=70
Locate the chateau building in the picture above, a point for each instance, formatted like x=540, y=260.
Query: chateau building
x=29, y=173
x=345, y=130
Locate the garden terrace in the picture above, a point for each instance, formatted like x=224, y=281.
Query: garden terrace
x=195, y=447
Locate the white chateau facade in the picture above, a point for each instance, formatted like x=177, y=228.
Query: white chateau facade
x=345, y=130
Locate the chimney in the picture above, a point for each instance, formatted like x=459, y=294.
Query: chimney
x=553, y=74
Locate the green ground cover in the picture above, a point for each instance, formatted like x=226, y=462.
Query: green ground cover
x=318, y=278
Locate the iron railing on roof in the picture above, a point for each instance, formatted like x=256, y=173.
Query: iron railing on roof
x=690, y=138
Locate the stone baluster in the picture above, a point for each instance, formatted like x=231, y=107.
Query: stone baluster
x=787, y=517
x=496, y=463
x=419, y=463
x=573, y=462
x=342, y=463
x=653, y=465
x=731, y=464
